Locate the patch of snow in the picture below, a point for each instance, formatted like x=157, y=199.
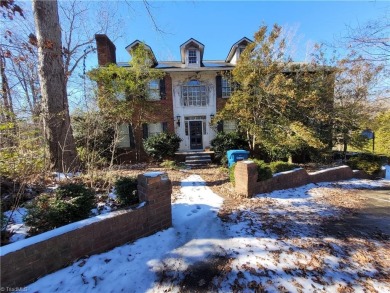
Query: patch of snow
x=387, y=175
x=142, y=204
x=63, y=176
x=112, y=194
x=153, y=174
x=16, y=225
x=328, y=169
x=287, y=172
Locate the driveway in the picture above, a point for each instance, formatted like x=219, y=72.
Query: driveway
x=370, y=220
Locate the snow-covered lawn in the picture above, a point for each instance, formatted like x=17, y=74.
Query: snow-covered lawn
x=272, y=243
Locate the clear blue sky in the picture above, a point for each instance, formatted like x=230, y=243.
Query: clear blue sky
x=219, y=24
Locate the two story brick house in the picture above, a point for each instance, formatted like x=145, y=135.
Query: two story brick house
x=192, y=91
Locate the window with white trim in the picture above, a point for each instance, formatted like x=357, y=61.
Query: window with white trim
x=194, y=93
x=154, y=90
x=226, y=88
x=229, y=126
x=192, y=56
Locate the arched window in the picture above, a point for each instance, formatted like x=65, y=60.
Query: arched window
x=194, y=94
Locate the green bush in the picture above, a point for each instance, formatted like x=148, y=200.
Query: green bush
x=280, y=166
x=126, y=190
x=263, y=170
x=231, y=174
x=371, y=164
x=169, y=164
x=69, y=203
x=93, y=137
x=162, y=146
x=227, y=141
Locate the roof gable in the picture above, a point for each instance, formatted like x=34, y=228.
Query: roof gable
x=189, y=44
x=242, y=42
x=136, y=43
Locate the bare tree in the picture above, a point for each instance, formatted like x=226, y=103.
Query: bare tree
x=372, y=39
x=58, y=130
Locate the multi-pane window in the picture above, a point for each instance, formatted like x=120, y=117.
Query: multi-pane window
x=154, y=90
x=226, y=88
x=192, y=56
x=187, y=120
x=154, y=128
x=194, y=94
x=229, y=126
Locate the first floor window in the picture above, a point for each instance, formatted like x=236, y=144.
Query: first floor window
x=126, y=136
x=151, y=129
x=154, y=128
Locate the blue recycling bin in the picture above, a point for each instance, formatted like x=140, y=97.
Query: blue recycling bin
x=234, y=156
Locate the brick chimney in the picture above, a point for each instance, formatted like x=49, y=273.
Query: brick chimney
x=105, y=50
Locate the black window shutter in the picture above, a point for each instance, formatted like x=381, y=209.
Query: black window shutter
x=145, y=132
x=218, y=81
x=165, y=126
x=220, y=126
x=131, y=137
x=163, y=94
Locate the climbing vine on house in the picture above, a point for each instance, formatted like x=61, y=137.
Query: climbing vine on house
x=123, y=91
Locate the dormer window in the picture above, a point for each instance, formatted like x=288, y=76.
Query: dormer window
x=192, y=53
x=192, y=56
x=240, y=51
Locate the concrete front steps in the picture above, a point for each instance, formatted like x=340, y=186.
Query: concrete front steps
x=197, y=160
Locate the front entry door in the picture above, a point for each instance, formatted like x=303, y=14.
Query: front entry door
x=196, y=142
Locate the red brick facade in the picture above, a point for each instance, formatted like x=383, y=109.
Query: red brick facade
x=160, y=111
x=105, y=50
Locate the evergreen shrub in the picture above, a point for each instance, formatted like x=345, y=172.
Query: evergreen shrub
x=227, y=141
x=162, y=146
x=126, y=190
x=369, y=163
x=280, y=166
x=69, y=203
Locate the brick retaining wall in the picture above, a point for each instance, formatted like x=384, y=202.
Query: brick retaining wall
x=22, y=264
x=246, y=183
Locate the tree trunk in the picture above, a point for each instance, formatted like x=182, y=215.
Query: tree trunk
x=55, y=110
x=7, y=100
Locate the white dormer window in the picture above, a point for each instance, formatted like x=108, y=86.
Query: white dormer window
x=192, y=58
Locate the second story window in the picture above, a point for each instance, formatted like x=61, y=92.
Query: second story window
x=226, y=88
x=154, y=90
x=194, y=94
x=192, y=56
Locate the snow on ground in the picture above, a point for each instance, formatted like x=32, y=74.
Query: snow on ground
x=135, y=267
x=271, y=243
x=387, y=175
x=16, y=224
